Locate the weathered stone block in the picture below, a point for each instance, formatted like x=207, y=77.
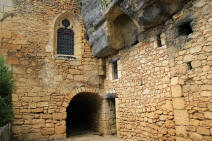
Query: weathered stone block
x=176, y=91
x=181, y=131
x=194, y=122
x=196, y=64
x=182, y=139
x=78, y=77
x=36, y=89
x=207, y=123
x=59, y=136
x=16, y=129
x=47, y=131
x=58, y=78
x=174, y=81
x=195, y=49
x=195, y=136
x=49, y=125
x=206, y=93
x=38, y=121
x=178, y=103
x=38, y=110
x=60, y=129
x=199, y=3
x=209, y=58
x=170, y=124
x=3, y=51
x=31, y=136
x=163, y=117
x=70, y=76
x=12, y=46
x=206, y=87
x=169, y=105
x=47, y=116
x=208, y=115
x=12, y=60
x=5, y=34
x=208, y=138
x=59, y=116
x=188, y=58
x=181, y=117
x=203, y=130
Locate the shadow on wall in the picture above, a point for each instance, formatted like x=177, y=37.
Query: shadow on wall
x=124, y=32
x=83, y=114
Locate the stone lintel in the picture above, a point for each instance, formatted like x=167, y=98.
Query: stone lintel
x=110, y=95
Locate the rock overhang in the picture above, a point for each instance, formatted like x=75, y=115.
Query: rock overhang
x=106, y=37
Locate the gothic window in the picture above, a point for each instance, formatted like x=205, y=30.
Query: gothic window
x=65, y=39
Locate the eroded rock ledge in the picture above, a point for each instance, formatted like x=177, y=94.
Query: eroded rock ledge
x=112, y=25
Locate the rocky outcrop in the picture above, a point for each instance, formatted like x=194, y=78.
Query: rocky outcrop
x=112, y=25
x=150, y=13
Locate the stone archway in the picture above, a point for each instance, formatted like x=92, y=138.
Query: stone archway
x=60, y=116
x=83, y=113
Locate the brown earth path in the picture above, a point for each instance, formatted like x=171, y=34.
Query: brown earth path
x=93, y=137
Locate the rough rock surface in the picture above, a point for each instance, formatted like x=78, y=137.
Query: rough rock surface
x=99, y=17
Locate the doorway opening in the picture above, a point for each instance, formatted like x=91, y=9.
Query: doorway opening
x=112, y=116
x=83, y=114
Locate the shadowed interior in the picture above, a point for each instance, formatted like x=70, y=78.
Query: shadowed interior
x=82, y=114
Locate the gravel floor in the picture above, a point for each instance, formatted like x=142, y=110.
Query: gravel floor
x=93, y=137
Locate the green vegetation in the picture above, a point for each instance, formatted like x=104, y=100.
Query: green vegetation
x=6, y=87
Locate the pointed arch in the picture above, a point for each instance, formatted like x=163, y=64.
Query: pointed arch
x=75, y=30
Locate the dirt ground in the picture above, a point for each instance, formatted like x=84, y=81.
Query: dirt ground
x=93, y=137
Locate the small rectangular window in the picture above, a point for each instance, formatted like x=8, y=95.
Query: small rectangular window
x=159, y=43
x=189, y=65
x=115, y=70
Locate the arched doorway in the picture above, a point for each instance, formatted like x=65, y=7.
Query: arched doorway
x=83, y=113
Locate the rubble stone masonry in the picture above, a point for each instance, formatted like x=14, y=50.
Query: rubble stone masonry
x=163, y=86
x=164, y=93
x=46, y=82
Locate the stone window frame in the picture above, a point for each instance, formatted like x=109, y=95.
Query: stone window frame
x=115, y=69
x=162, y=39
x=78, y=40
x=70, y=37
x=111, y=73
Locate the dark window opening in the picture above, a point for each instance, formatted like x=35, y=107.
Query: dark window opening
x=159, y=43
x=115, y=70
x=66, y=23
x=189, y=65
x=83, y=114
x=65, y=39
x=185, y=28
x=142, y=83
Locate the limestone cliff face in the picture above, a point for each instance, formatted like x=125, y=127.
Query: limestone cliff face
x=112, y=25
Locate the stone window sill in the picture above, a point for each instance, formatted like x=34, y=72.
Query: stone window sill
x=65, y=57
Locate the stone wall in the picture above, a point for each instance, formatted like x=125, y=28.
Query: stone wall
x=108, y=117
x=144, y=99
x=191, y=72
x=46, y=82
x=164, y=93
